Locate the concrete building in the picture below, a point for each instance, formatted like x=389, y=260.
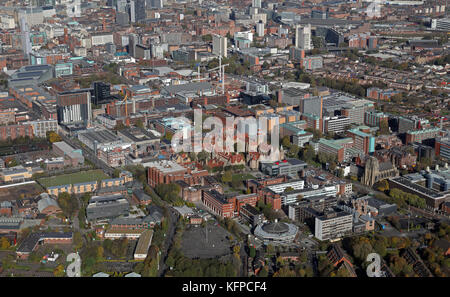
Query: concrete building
x=220, y=44
x=145, y=240
x=303, y=37
x=74, y=156
x=284, y=167
x=74, y=107
x=107, y=207
x=260, y=29
x=41, y=127
x=107, y=146
x=336, y=124
x=442, y=146
x=333, y=225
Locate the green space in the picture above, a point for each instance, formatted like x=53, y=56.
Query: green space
x=241, y=177
x=73, y=178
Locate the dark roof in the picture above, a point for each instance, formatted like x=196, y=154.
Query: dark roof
x=276, y=228
x=28, y=245
x=141, y=195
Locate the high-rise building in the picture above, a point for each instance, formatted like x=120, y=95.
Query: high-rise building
x=303, y=37
x=256, y=3
x=102, y=93
x=139, y=10
x=133, y=40
x=74, y=106
x=132, y=11
x=121, y=5
x=155, y=3
x=260, y=29
x=219, y=45
x=122, y=18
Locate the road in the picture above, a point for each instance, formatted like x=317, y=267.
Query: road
x=169, y=239
x=90, y=155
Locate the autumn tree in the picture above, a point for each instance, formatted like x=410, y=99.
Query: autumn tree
x=53, y=137
x=59, y=271
x=4, y=243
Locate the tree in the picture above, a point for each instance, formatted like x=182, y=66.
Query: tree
x=236, y=250
x=227, y=177
x=77, y=240
x=53, y=137
x=285, y=141
x=293, y=151
x=59, y=271
x=4, y=243
x=288, y=189
x=68, y=204
x=383, y=186
x=100, y=252
x=384, y=128
x=264, y=272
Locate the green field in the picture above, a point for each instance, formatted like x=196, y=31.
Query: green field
x=73, y=178
x=242, y=176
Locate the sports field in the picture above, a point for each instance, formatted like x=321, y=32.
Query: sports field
x=73, y=178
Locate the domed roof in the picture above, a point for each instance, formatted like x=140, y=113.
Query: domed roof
x=276, y=228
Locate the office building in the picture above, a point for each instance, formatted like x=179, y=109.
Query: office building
x=158, y=4
x=336, y=124
x=219, y=45
x=311, y=62
x=333, y=225
x=284, y=167
x=303, y=37
x=442, y=147
x=440, y=24
x=74, y=107
x=139, y=10
x=421, y=135
x=107, y=146
x=260, y=29
x=102, y=93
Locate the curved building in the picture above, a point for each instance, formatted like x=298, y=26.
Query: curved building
x=276, y=232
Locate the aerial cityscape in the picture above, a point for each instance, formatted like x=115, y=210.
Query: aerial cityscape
x=213, y=138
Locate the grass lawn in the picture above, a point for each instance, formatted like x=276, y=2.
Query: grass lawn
x=46, y=269
x=242, y=176
x=22, y=267
x=73, y=178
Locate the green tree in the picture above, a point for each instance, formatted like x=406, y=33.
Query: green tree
x=77, y=240
x=227, y=177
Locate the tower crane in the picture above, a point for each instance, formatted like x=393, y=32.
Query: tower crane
x=221, y=73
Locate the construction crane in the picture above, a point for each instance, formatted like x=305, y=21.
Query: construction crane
x=221, y=73
x=125, y=100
